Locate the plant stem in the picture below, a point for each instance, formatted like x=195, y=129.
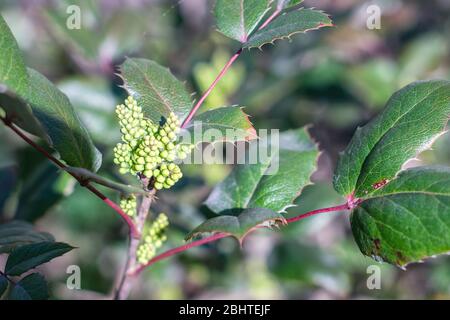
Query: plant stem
x=217, y=236
x=126, y=281
x=342, y=207
x=222, y=73
x=211, y=87
x=133, y=231
x=269, y=20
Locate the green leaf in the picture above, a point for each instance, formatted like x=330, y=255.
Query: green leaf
x=3, y=284
x=14, y=81
x=94, y=100
x=408, y=219
x=412, y=120
x=13, y=72
x=29, y=256
x=239, y=226
x=273, y=182
x=237, y=19
x=32, y=287
x=90, y=176
x=221, y=124
x=41, y=191
x=288, y=24
x=17, y=233
x=67, y=134
x=155, y=89
x=287, y=3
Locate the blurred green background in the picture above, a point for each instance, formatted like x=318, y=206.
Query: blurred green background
x=336, y=79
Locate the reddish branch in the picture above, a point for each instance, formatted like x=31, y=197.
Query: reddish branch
x=211, y=87
x=217, y=236
x=133, y=231
x=222, y=73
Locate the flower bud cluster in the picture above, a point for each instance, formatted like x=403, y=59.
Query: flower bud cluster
x=153, y=238
x=149, y=149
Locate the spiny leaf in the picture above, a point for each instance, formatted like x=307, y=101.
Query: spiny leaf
x=407, y=220
x=29, y=256
x=32, y=287
x=288, y=24
x=412, y=120
x=273, y=182
x=155, y=89
x=239, y=226
x=221, y=124
x=17, y=233
x=237, y=19
x=90, y=176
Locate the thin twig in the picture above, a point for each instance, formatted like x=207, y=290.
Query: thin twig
x=270, y=19
x=217, y=236
x=133, y=231
x=222, y=73
x=211, y=87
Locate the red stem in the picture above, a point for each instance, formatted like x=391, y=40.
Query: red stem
x=314, y=212
x=269, y=20
x=211, y=87
x=222, y=73
x=218, y=236
x=105, y=199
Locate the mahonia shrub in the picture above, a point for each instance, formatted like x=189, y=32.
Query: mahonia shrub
x=397, y=215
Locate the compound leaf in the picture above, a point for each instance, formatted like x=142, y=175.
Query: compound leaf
x=32, y=287
x=408, y=219
x=29, y=256
x=237, y=19
x=412, y=120
x=155, y=89
x=17, y=233
x=272, y=182
x=288, y=24
x=221, y=124
x=239, y=226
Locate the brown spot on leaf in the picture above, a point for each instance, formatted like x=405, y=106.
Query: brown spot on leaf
x=380, y=184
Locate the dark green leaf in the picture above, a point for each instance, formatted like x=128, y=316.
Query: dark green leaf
x=90, y=176
x=407, y=220
x=237, y=19
x=8, y=179
x=273, y=182
x=155, y=89
x=412, y=120
x=41, y=191
x=32, y=287
x=29, y=256
x=67, y=134
x=288, y=24
x=239, y=226
x=221, y=124
x=3, y=284
x=17, y=233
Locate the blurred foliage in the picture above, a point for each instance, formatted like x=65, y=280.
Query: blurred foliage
x=336, y=78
